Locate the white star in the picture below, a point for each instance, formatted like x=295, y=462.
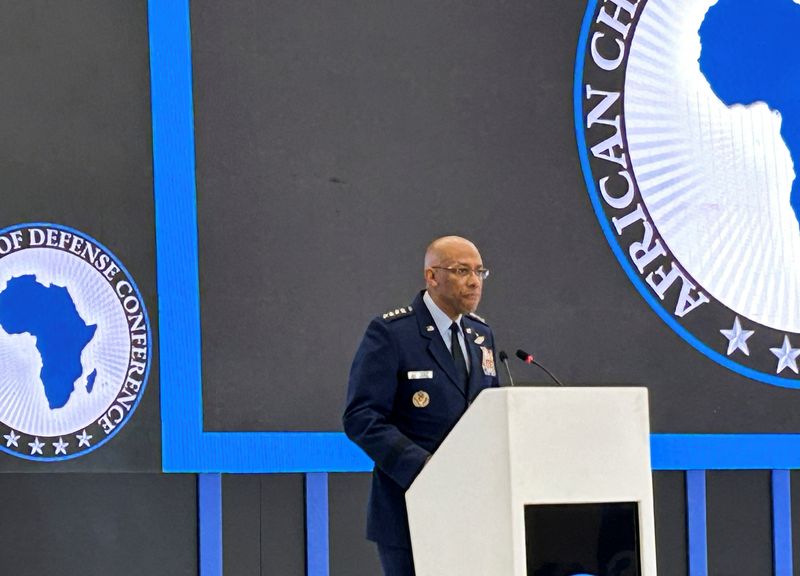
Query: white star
x=83, y=439
x=787, y=356
x=60, y=446
x=11, y=439
x=737, y=338
x=36, y=446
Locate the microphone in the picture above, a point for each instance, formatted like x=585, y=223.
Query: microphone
x=529, y=359
x=504, y=359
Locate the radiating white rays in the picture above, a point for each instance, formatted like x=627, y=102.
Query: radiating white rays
x=23, y=403
x=716, y=180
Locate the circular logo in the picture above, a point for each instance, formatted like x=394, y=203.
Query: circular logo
x=420, y=399
x=688, y=130
x=74, y=343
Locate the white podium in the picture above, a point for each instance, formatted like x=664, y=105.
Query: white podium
x=521, y=446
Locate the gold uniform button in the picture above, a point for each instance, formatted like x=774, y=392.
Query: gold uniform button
x=421, y=399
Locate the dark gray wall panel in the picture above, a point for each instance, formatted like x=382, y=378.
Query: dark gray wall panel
x=739, y=523
x=241, y=524
x=669, y=491
x=326, y=134
x=86, y=524
x=350, y=552
x=263, y=525
x=77, y=150
x=283, y=548
x=335, y=140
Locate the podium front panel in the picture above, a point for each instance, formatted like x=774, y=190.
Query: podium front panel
x=600, y=539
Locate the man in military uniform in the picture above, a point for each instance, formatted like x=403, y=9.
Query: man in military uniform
x=416, y=372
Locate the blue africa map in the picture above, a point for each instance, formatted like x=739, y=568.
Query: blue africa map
x=750, y=53
x=48, y=314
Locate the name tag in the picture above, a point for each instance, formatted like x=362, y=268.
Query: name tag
x=420, y=374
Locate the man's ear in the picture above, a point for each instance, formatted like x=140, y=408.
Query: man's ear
x=430, y=278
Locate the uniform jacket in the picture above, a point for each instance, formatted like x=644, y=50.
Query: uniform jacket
x=398, y=353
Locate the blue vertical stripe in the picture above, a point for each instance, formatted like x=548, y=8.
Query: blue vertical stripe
x=209, y=503
x=782, y=523
x=185, y=445
x=696, y=522
x=176, y=226
x=317, y=524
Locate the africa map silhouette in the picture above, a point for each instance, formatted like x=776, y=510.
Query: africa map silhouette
x=48, y=313
x=749, y=54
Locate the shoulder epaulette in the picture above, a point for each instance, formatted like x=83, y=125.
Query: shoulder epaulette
x=397, y=313
x=478, y=318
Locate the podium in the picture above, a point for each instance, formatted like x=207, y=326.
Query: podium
x=539, y=481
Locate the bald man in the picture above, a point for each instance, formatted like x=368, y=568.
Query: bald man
x=416, y=372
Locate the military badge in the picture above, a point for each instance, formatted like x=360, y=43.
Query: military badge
x=421, y=399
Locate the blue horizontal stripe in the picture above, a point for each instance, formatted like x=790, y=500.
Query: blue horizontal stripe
x=725, y=451
x=197, y=451
x=263, y=452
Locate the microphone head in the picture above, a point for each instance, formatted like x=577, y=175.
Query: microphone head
x=503, y=356
x=525, y=357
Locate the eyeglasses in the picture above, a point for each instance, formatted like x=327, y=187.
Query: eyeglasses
x=464, y=271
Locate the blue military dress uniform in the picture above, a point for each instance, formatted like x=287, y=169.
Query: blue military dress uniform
x=402, y=400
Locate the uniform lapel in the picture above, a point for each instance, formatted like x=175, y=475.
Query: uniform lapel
x=436, y=346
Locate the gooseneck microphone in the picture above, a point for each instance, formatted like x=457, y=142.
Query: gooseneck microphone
x=504, y=359
x=529, y=359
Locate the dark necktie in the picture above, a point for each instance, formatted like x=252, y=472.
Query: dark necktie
x=458, y=358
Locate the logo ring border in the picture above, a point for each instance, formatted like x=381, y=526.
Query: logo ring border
x=146, y=378
x=580, y=137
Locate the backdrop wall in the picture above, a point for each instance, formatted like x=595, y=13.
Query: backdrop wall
x=332, y=143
